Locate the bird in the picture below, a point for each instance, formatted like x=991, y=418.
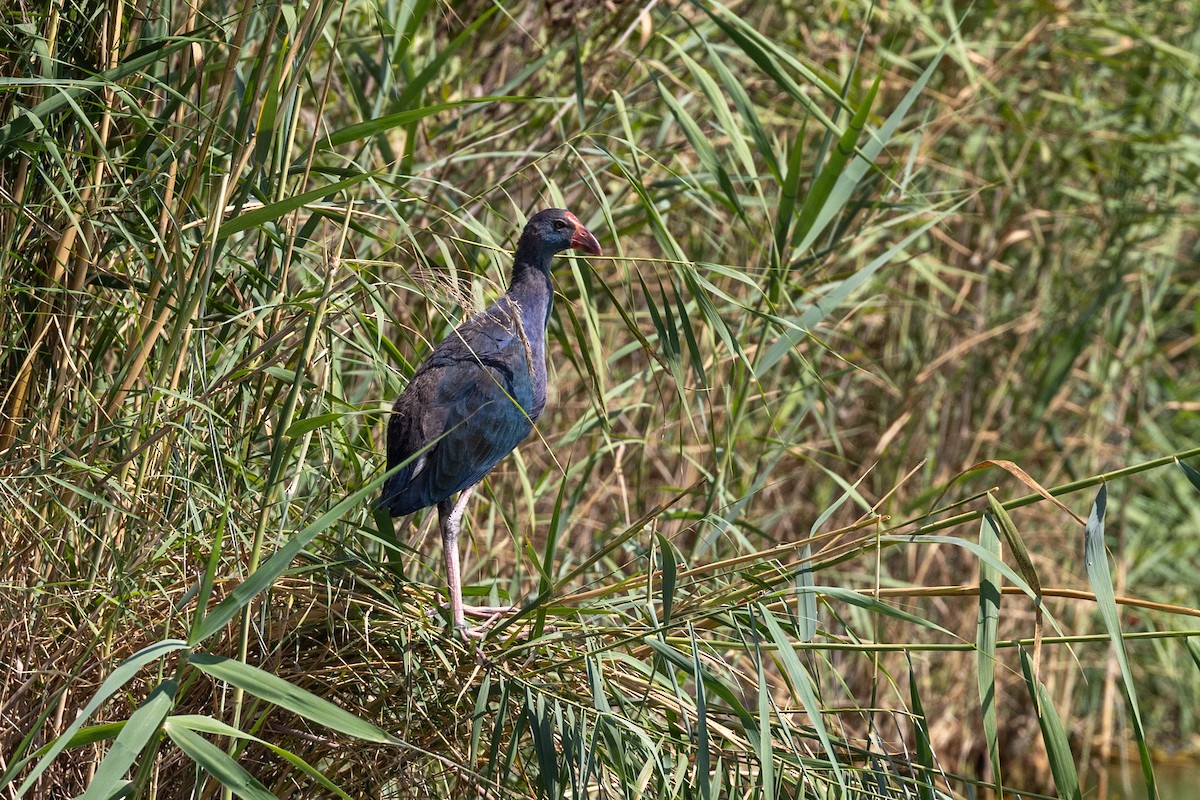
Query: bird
x=476, y=397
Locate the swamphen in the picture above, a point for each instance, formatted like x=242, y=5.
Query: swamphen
x=478, y=395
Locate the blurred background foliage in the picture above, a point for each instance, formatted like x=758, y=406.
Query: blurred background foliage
x=851, y=251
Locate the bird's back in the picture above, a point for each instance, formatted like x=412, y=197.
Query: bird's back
x=467, y=406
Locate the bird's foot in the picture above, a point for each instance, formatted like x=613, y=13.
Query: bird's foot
x=488, y=616
x=491, y=613
x=476, y=632
x=488, y=613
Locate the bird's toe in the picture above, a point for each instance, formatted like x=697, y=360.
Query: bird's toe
x=488, y=612
x=476, y=632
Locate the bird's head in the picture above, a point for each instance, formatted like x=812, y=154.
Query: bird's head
x=554, y=230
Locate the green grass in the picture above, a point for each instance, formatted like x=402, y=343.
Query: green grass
x=851, y=254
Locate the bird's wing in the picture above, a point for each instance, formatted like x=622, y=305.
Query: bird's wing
x=484, y=421
x=465, y=409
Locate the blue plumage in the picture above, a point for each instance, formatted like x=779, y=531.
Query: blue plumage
x=477, y=396
x=469, y=405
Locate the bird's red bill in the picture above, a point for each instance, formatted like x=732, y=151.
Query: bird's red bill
x=583, y=239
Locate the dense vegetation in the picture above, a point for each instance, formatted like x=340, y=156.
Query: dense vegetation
x=879, y=281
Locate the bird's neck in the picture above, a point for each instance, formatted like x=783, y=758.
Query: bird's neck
x=531, y=288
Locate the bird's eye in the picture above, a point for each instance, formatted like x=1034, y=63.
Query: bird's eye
x=560, y=224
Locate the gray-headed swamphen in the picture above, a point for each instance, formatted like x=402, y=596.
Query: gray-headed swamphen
x=478, y=395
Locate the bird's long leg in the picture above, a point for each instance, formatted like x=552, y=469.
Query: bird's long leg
x=450, y=518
